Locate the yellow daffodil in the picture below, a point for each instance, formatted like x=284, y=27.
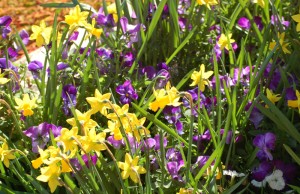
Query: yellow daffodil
x=295, y=103
x=208, y=3
x=130, y=168
x=99, y=102
x=201, y=78
x=259, y=2
x=41, y=34
x=136, y=128
x=225, y=42
x=281, y=42
x=51, y=175
x=296, y=18
x=26, y=105
x=67, y=138
x=168, y=96
x=3, y=80
x=94, y=31
x=6, y=154
x=114, y=129
x=185, y=191
x=84, y=120
x=76, y=18
x=272, y=97
x=93, y=142
x=120, y=113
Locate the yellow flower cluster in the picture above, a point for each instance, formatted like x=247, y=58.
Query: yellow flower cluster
x=282, y=43
x=164, y=97
x=75, y=19
x=6, y=154
x=83, y=136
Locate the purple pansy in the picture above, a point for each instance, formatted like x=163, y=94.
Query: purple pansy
x=265, y=143
x=255, y=115
x=35, y=67
x=127, y=92
x=174, y=168
x=275, y=21
x=258, y=22
x=130, y=31
x=40, y=135
x=128, y=59
x=69, y=98
x=172, y=115
x=116, y=143
x=24, y=36
x=244, y=23
x=259, y=173
x=75, y=162
x=4, y=26
x=157, y=142
x=201, y=160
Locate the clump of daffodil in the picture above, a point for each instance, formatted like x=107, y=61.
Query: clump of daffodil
x=26, y=105
x=77, y=18
x=99, y=102
x=281, y=42
x=259, y=2
x=225, y=41
x=54, y=163
x=272, y=97
x=92, y=141
x=67, y=138
x=164, y=97
x=6, y=154
x=128, y=121
x=41, y=34
x=208, y=3
x=295, y=103
x=51, y=174
x=84, y=120
x=296, y=18
x=201, y=78
x=131, y=169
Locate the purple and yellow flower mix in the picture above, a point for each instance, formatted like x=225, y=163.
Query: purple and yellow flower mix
x=102, y=128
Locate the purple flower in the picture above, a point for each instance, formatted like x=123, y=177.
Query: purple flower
x=172, y=115
x=35, y=66
x=149, y=71
x=116, y=143
x=258, y=22
x=201, y=160
x=40, y=135
x=103, y=20
x=12, y=53
x=255, y=116
x=162, y=79
x=265, y=143
x=130, y=31
x=275, y=21
x=157, y=142
x=259, y=173
x=4, y=26
x=148, y=144
x=93, y=159
x=128, y=59
x=174, y=168
x=244, y=23
x=69, y=98
x=290, y=94
x=75, y=162
x=24, y=36
x=127, y=92
x=105, y=54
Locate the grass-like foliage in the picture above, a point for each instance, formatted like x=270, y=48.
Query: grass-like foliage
x=153, y=96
